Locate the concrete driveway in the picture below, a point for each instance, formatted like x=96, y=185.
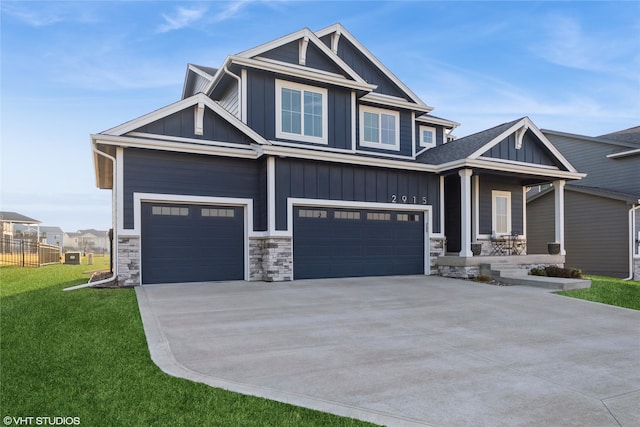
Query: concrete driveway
x=404, y=350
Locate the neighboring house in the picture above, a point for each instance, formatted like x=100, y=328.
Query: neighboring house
x=602, y=220
x=90, y=240
x=305, y=157
x=10, y=223
x=49, y=235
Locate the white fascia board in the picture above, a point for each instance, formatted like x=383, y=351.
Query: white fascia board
x=302, y=72
x=180, y=147
x=372, y=58
x=623, y=154
x=394, y=101
x=179, y=106
x=512, y=167
x=437, y=121
x=305, y=33
x=345, y=158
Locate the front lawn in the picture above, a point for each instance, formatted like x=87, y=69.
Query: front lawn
x=84, y=354
x=607, y=290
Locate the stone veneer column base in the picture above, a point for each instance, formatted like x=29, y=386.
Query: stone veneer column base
x=128, y=261
x=636, y=269
x=270, y=259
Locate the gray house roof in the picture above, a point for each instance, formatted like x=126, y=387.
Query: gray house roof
x=17, y=218
x=594, y=191
x=631, y=135
x=462, y=147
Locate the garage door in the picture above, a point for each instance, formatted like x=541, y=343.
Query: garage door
x=191, y=243
x=329, y=242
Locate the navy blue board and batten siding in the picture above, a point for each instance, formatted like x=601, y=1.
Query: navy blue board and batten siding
x=366, y=69
x=181, y=124
x=318, y=180
x=150, y=171
x=532, y=151
x=261, y=114
x=315, y=58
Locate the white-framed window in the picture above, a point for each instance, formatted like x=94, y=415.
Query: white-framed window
x=501, y=212
x=301, y=112
x=427, y=136
x=379, y=128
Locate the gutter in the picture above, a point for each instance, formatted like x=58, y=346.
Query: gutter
x=632, y=236
x=114, y=225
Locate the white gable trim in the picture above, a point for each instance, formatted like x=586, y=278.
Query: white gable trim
x=179, y=106
x=296, y=70
x=304, y=34
x=344, y=33
x=524, y=122
x=394, y=101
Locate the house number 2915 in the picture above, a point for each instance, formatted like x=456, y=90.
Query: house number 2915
x=408, y=199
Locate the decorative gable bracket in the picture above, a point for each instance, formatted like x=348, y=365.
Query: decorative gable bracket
x=520, y=135
x=302, y=50
x=198, y=128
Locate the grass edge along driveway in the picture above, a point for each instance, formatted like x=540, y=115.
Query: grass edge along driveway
x=84, y=354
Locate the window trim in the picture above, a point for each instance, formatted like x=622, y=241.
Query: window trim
x=379, y=111
x=433, y=133
x=495, y=194
x=283, y=84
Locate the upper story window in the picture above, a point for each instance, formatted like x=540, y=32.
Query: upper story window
x=379, y=128
x=301, y=112
x=427, y=136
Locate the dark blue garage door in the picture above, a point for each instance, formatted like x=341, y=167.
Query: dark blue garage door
x=191, y=243
x=330, y=242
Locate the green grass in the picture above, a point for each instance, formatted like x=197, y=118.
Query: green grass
x=84, y=354
x=607, y=290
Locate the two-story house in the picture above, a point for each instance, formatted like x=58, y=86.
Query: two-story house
x=306, y=157
x=602, y=210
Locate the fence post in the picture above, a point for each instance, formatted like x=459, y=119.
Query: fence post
x=22, y=250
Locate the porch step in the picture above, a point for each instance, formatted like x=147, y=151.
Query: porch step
x=555, y=283
x=512, y=275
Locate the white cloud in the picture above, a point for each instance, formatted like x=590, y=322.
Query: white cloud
x=46, y=14
x=563, y=41
x=183, y=17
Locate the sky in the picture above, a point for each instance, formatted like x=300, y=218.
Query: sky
x=70, y=69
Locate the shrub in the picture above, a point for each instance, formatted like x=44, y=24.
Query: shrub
x=537, y=271
x=555, y=271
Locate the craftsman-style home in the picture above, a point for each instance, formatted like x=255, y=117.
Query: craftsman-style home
x=306, y=157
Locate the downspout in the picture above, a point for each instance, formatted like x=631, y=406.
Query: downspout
x=113, y=221
x=226, y=70
x=632, y=238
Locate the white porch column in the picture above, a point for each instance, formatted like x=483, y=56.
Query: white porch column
x=465, y=212
x=558, y=190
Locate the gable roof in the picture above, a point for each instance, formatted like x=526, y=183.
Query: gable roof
x=594, y=191
x=302, y=35
x=340, y=31
x=474, y=151
x=197, y=99
x=631, y=135
x=17, y=218
x=463, y=147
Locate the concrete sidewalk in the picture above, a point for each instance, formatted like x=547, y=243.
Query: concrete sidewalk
x=400, y=351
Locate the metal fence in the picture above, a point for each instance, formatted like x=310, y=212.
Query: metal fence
x=27, y=253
